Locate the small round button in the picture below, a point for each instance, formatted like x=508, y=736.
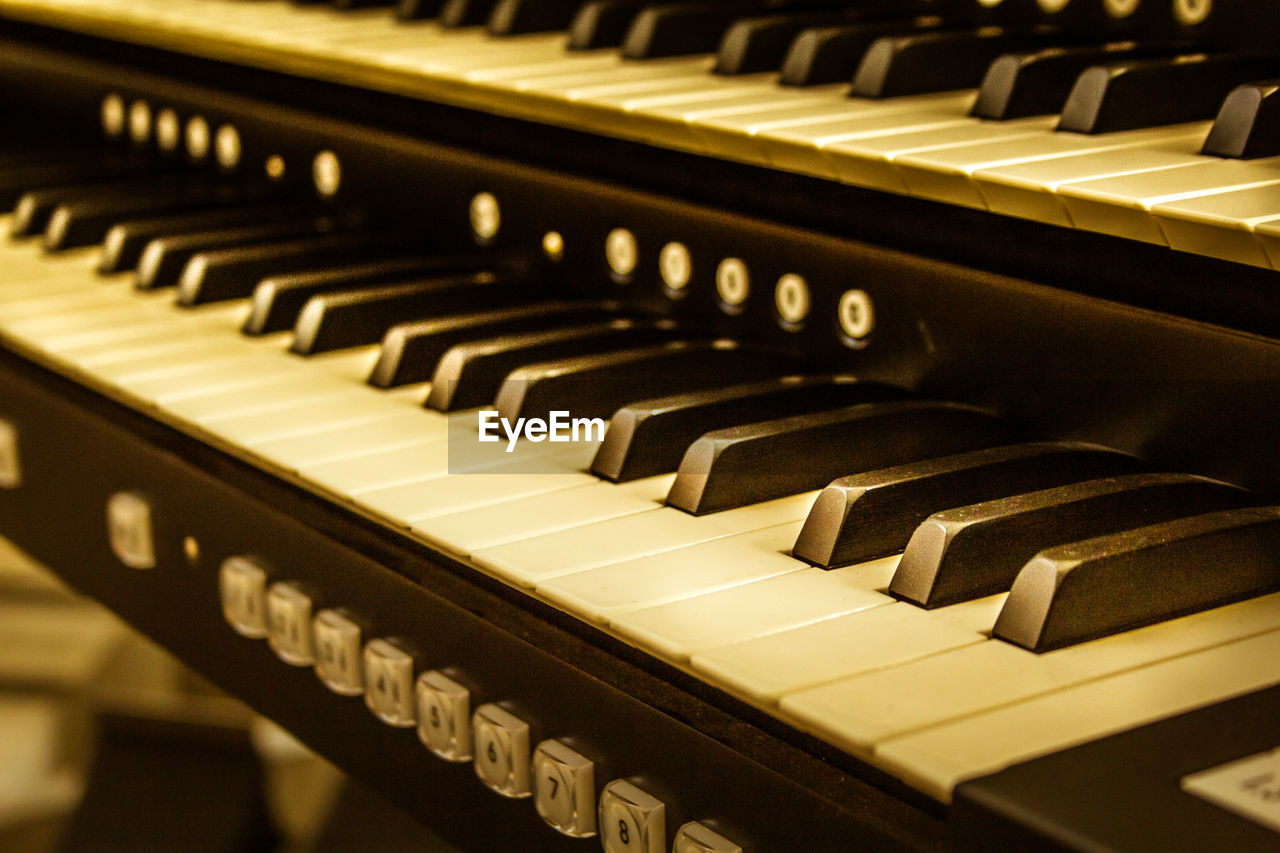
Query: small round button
x=197, y=138
x=113, y=115
x=168, y=131
x=326, y=172
x=675, y=266
x=791, y=298
x=733, y=283
x=139, y=121
x=227, y=146
x=621, y=251
x=857, y=317
x=486, y=217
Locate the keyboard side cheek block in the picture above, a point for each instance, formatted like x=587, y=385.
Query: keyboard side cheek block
x=78, y=448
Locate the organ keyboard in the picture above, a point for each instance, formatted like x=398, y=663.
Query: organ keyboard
x=896, y=609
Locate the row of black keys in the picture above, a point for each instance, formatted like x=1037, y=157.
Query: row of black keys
x=1089, y=542
x=1022, y=69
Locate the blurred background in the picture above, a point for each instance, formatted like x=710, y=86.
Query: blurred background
x=107, y=743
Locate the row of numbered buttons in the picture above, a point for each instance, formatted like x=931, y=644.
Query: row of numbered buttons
x=560, y=780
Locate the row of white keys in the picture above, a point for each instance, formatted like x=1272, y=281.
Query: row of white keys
x=935, y=760
x=536, y=561
x=765, y=668
x=860, y=712
x=467, y=531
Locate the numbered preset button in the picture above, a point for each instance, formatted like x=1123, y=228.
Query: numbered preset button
x=289, y=624
x=444, y=716
x=388, y=683
x=338, y=663
x=631, y=820
x=695, y=837
x=502, y=751
x=564, y=789
x=242, y=587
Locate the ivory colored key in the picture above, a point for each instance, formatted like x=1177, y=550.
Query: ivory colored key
x=682, y=628
x=733, y=133
x=1222, y=225
x=1121, y=206
x=412, y=503
x=466, y=532
x=1269, y=234
x=1031, y=190
x=936, y=759
x=947, y=174
x=859, y=712
x=391, y=430
x=532, y=561
x=599, y=594
x=766, y=668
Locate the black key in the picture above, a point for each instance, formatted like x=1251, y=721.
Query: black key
x=1248, y=125
x=648, y=437
x=124, y=243
x=1084, y=590
x=417, y=10
x=77, y=224
x=519, y=17
x=968, y=552
x=222, y=274
x=1152, y=92
x=32, y=212
x=752, y=45
x=603, y=23
x=466, y=13
x=872, y=515
x=410, y=351
x=470, y=374
x=832, y=54
x=748, y=464
x=164, y=258
x=679, y=29
x=596, y=385
x=277, y=299
x=1036, y=83
x=937, y=61
x=333, y=321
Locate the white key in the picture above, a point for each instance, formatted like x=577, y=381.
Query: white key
x=1031, y=190
x=935, y=760
x=764, y=669
x=946, y=174
x=1222, y=225
x=681, y=629
x=859, y=712
x=462, y=533
x=601, y=593
x=1121, y=206
x=529, y=562
x=395, y=429
x=800, y=148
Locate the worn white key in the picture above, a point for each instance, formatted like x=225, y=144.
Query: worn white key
x=530, y=562
x=682, y=628
x=244, y=395
x=859, y=712
x=342, y=407
x=935, y=760
x=427, y=456
x=764, y=669
x=1269, y=234
x=465, y=532
x=1121, y=206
